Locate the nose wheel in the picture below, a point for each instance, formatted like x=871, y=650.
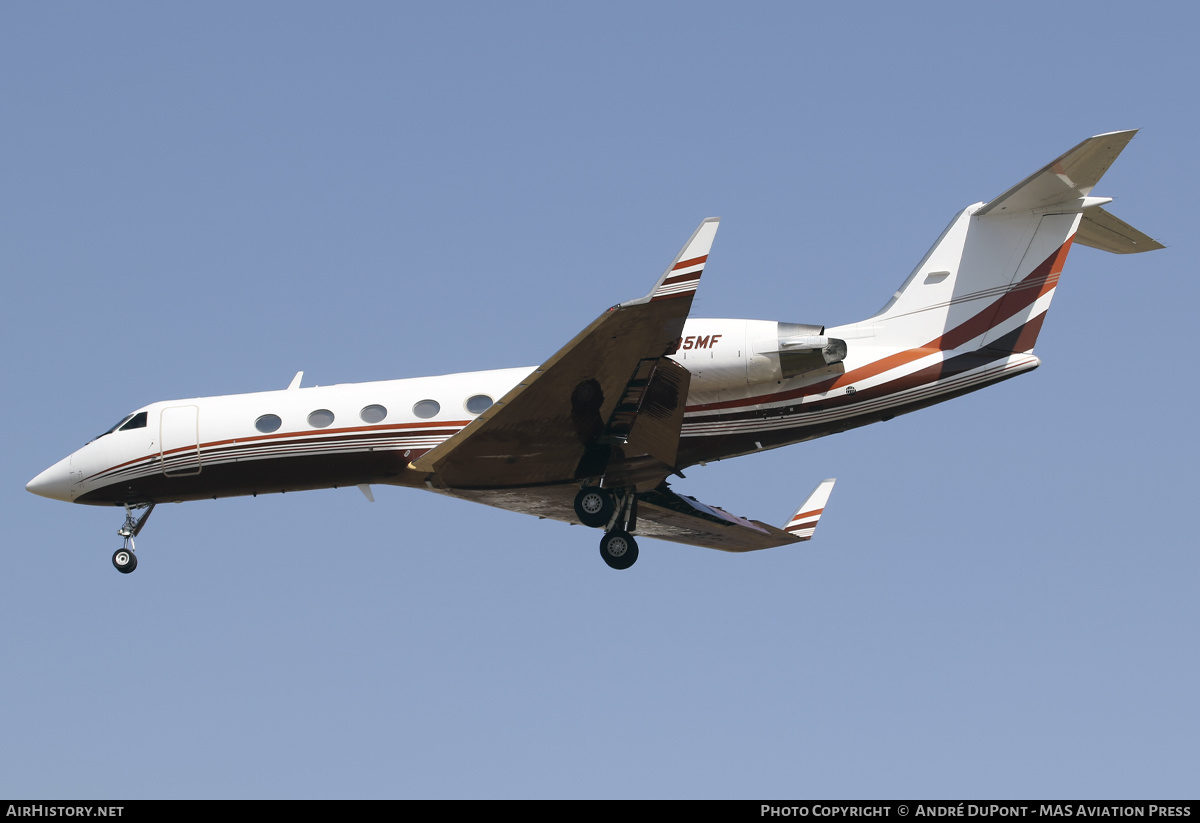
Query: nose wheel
x=123, y=559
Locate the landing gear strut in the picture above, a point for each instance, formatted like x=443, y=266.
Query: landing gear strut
x=123, y=559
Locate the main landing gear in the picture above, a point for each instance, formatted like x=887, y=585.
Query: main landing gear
x=123, y=559
x=600, y=508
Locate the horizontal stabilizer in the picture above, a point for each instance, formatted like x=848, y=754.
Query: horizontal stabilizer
x=1067, y=179
x=1101, y=230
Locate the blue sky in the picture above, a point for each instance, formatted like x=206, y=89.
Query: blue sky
x=1001, y=598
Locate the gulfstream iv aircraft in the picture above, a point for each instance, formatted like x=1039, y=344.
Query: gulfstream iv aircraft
x=593, y=434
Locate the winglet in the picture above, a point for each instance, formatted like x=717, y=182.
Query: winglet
x=683, y=275
x=804, y=522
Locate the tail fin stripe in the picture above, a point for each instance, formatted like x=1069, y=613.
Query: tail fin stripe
x=1020, y=339
x=1017, y=297
x=982, y=294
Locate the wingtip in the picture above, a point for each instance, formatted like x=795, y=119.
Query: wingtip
x=683, y=275
x=804, y=521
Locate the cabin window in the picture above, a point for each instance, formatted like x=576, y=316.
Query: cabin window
x=268, y=423
x=320, y=418
x=479, y=404
x=373, y=413
x=426, y=409
x=138, y=421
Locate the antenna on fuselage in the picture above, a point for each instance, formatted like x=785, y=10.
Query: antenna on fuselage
x=295, y=384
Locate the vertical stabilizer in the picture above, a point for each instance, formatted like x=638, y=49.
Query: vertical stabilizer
x=988, y=281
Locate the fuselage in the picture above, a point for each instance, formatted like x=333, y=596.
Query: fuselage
x=739, y=401
x=593, y=434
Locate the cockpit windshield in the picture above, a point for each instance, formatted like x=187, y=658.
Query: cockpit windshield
x=137, y=420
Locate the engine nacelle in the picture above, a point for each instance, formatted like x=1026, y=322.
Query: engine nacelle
x=796, y=349
x=732, y=359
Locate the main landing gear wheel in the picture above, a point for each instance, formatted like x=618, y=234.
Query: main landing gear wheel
x=124, y=560
x=594, y=506
x=619, y=549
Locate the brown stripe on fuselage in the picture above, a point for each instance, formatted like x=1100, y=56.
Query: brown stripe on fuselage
x=315, y=436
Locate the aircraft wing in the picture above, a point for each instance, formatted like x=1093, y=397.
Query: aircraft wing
x=610, y=391
x=664, y=514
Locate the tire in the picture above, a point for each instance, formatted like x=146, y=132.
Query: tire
x=124, y=561
x=619, y=549
x=594, y=507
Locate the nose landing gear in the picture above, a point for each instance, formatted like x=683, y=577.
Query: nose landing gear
x=123, y=559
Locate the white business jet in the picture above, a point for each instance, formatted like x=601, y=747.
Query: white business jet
x=593, y=434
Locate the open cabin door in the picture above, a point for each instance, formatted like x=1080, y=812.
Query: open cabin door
x=179, y=440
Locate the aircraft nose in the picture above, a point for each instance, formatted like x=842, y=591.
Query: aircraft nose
x=54, y=482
